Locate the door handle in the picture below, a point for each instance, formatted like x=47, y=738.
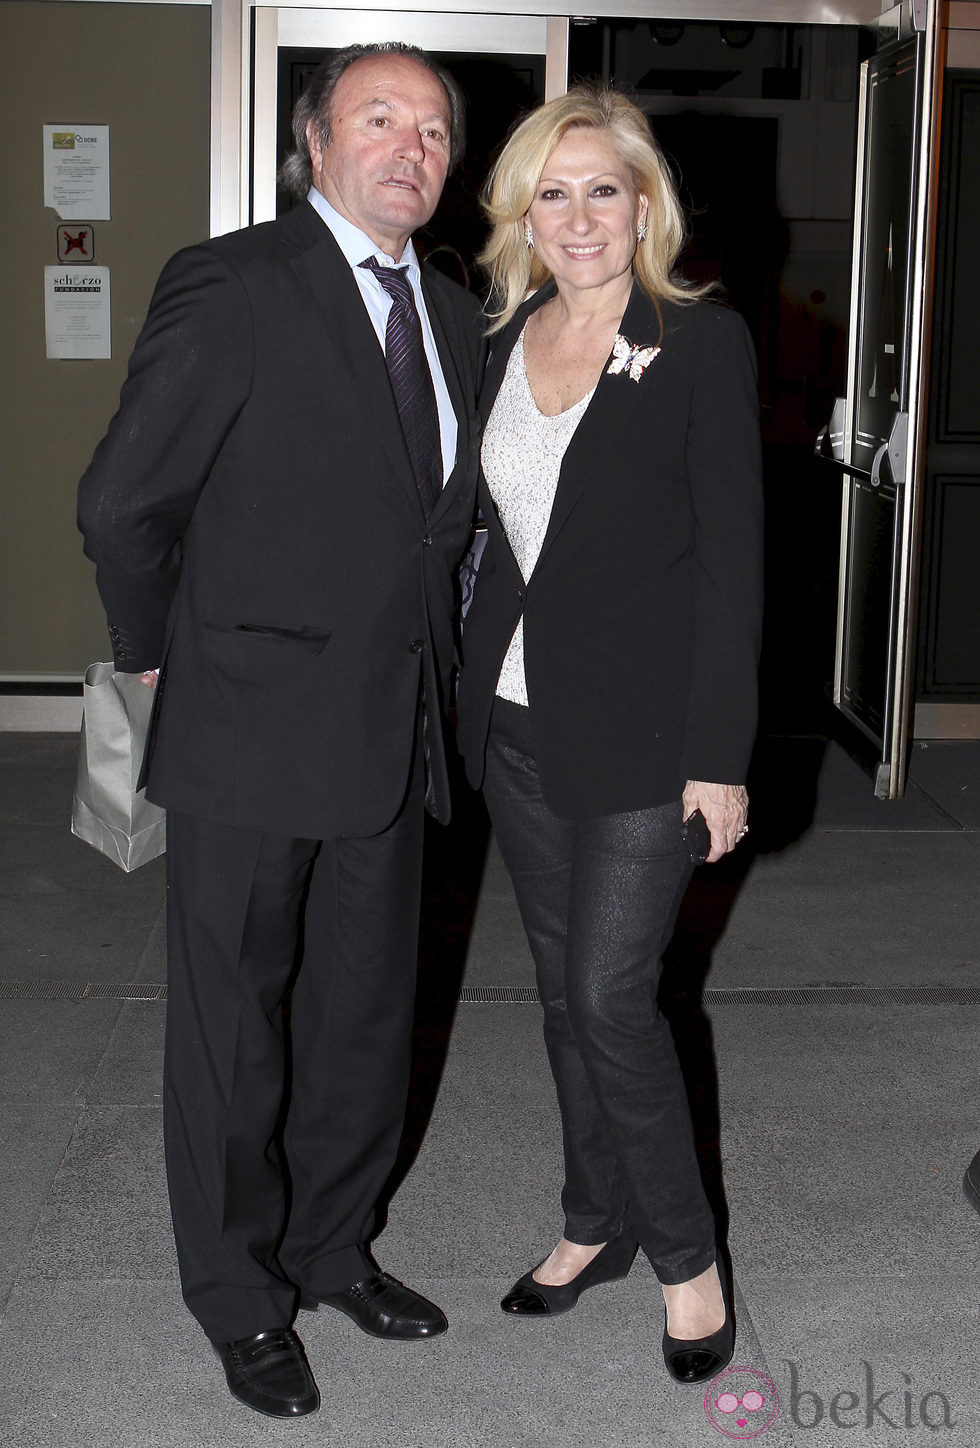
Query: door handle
x=879, y=458
x=895, y=450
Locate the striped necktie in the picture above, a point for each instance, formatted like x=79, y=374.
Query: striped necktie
x=411, y=382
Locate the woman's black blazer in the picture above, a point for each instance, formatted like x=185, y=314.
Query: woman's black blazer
x=642, y=617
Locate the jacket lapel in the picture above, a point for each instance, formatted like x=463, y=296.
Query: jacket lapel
x=614, y=401
x=323, y=268
x=502, y=344
x=450, y=348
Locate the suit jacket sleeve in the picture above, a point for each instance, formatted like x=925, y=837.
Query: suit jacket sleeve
x=189, y=377
x=725, y=478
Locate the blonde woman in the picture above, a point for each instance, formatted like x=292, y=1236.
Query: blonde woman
x=608, y=699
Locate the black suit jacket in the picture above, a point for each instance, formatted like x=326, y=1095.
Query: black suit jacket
x=642, y=617
x=256, y=526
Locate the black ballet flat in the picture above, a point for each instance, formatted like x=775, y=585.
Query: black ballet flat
x=528, y=1298
x=693, y=1360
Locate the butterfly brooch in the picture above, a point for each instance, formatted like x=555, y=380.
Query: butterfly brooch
x=630, y=359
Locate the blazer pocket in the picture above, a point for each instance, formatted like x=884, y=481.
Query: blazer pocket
x=306, y=638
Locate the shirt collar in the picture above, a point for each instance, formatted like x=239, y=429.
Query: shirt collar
x=354, y=243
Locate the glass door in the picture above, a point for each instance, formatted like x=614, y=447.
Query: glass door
x=877, y=434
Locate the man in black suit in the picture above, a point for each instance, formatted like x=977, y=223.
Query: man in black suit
x=276, y=513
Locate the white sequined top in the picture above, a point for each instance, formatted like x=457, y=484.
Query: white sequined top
x=522, y=457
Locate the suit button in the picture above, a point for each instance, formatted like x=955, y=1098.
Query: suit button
x=520, y=594
x=416, y=646
x=427, y=540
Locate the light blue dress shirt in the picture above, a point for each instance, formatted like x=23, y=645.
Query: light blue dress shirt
x=357, y=247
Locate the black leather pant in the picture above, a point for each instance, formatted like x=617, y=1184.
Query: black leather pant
x=599, y=899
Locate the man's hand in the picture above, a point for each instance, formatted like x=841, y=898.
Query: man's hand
x=150, y=678
x=724, y=807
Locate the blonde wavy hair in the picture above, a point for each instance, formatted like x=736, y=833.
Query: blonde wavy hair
x=514, y=269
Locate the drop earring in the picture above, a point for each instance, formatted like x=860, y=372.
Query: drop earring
x=528, y=236
x=641, y=231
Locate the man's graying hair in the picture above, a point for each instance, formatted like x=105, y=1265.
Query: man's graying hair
x=296, y=172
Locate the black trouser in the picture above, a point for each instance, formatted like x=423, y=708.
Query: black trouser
x=599, y=899
x=249, y=1228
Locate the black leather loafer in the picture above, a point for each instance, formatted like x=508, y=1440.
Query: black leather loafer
x=383, y=1307
x=269, y=1372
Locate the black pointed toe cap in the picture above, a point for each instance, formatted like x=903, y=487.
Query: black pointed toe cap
x=524, y=1301
x=695, y=1366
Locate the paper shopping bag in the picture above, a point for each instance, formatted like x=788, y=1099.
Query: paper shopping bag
x=108, y=811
